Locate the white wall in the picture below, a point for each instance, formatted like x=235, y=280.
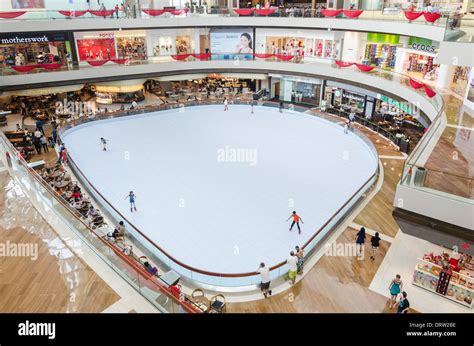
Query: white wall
x=354, y=46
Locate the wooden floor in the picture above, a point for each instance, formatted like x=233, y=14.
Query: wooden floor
x=448, y=167
x=58, y=281
x=341, y=283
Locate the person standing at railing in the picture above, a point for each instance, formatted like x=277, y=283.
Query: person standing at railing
x=264, y=280
x=131, y=197
x=292, y=263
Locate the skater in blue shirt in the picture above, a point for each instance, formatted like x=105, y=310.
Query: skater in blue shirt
x=131, y=197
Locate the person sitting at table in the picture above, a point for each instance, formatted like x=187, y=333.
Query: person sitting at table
x=18, y=128
x=76, y=194
x=150, y=269
x=119, y=231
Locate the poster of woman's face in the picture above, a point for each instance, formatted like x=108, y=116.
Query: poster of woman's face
x=230, y=41
x=27, y=4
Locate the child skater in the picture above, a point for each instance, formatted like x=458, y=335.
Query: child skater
x=131, y=197
x=103, y=141
x=296, y=220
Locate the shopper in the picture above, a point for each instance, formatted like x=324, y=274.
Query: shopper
x=375, y=241
x=131, y=197
x=116, y=10
x=54, y=134
x=292, y=262
x=226, y=105
x=396, y=286
x=403, y=304
x=44, y=144
x=37, y=144
x=296, y=220
x=103, y=141
x=360, y=241
x=300, y=254
x=39, y=125
x=264, y=280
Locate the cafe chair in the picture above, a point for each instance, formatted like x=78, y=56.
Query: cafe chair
x=218, y=303
x=197, y=293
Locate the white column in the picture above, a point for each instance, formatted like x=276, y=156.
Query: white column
x=445, y=76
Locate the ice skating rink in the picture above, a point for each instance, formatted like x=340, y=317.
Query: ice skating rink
x=214, y=188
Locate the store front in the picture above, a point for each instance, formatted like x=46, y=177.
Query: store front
x=167, y=42
x=300, y=43
x=96, y=45
x=119, y=92
x=381, y=50
x=18, y=49
x=417, y=59
x=298, y=90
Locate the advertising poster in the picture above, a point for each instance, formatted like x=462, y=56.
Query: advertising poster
x=232, y=43
x=18, y=4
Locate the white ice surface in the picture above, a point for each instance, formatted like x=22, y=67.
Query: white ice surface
x=223, y=216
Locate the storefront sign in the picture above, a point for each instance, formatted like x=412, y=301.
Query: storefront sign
x=25, y=38
x=404, y=106
x=383, y=38
x=422, y=44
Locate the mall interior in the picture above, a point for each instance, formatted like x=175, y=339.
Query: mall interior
x=98, y=98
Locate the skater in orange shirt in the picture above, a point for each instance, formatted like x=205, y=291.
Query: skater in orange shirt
x=296, y=220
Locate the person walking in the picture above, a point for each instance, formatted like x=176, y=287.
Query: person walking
x=103, y=141
x=44, y=144
x=264, y=280
x=296, y=220
x=226, y=105
x=131, y=197
x=39, y=125
x=116, y=10
x=403, y=304
x=300, y=255
x=360, y=241
x=375, y=241
x=292, y=262
x=396, y=286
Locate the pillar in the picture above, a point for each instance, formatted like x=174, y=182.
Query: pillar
x=445, y=76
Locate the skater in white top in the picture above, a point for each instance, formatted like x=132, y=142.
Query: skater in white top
x=226, y=105
x=103, y=141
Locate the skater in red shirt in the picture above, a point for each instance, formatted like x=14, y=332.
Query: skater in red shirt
x=296, y=220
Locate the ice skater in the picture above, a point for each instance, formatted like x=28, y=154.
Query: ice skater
x=131, y=197
x=296, y=220
x=280, y=108
x=251, y=107
x=226, y=105
x=103, y=141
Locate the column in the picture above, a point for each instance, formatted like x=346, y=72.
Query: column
x=445, y=76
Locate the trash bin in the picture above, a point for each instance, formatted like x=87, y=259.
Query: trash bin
x=420, y=175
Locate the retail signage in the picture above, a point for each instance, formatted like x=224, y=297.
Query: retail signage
x=22, y=38
x=383, y=38
x=422, y=44
x=404, y=106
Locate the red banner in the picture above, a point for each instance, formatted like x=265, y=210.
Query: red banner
x=284, y=57
x=364, y=68
x=53, y=66
x=429, y=92
x=96, y=63
x=120, y=61
x=180, y=56
x=263, y=55
x=9, y=15
x=431, y=17
x=265, y=11
x=331, y=13
x=412, y=15
x=73, y=13
x=154, y=13
x=244, y=11
x=352, y=13
x=102, y=13
x=415, y=85
x=177, y=12
x=203, y=56
x=343, y=63
x=24, y=68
